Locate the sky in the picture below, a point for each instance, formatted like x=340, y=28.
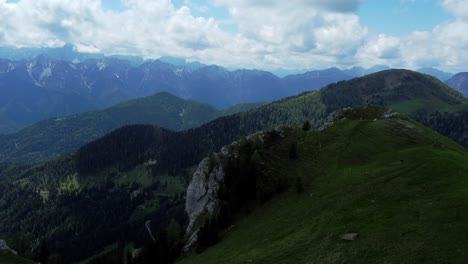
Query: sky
x=263, y=34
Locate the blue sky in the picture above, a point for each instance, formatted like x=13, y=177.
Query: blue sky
x=399, y=17
x=395, y=17
x=292, y=34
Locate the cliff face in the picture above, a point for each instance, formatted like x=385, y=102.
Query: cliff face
x=202, y=193
x=203, y=189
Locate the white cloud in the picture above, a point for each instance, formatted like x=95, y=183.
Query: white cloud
x=457, y=7
x=380, y=50
x=445, y=47
x=271, y=34
x=304, y=33
x=146, y=28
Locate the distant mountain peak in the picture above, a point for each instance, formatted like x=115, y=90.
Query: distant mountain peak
x=459, y=82
x=441, y=75
x=360, y=71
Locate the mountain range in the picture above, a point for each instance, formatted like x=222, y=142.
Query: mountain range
x=43, y=87
x=40, y=88
x=421, y=98
x=112, y=190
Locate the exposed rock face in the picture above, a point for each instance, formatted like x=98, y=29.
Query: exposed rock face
x=4, y=246
x=349, y=236
x=332, y=118
x=202, y=192
x=389, y=114
x=347, y=112
x=203, y=189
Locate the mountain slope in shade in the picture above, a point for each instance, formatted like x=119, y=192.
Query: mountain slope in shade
x=459, y=82
x=56, y=136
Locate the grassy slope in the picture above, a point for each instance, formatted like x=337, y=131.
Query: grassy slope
x=7, y=258
x=403, y=190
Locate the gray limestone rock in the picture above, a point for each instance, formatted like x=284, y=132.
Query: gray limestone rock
x=203, y=189
x=349, y=236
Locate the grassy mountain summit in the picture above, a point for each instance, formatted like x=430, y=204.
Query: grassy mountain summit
x=61, y=135
x=371, y=187
x=403, y=90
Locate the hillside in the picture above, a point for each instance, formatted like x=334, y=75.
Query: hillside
x=405, y=91
x=420, y=96
x=146, y=168
x=459, y=82
x=57, y=136
x=396, y=184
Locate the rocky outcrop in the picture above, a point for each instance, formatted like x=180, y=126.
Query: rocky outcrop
x=362, y=112
x=202, y=193
x=203, y=189
x=4, y=246
x=332, y=118
x=389, y=114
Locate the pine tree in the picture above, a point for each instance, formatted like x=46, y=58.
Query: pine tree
x=293, y=151
x=306, y=125
x=42, y=256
